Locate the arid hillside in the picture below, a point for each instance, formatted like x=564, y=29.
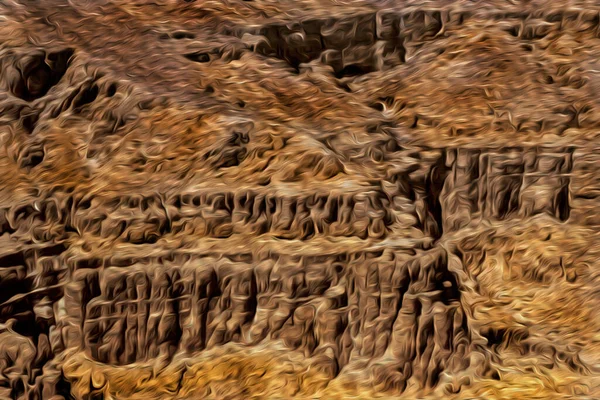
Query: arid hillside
x=299, y=199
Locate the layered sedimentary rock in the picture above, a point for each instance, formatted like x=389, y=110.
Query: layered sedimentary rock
x=318, y=200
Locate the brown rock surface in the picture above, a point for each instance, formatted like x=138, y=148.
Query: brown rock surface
x=310, y=199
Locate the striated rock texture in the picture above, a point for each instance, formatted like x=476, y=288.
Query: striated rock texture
x=311, y=199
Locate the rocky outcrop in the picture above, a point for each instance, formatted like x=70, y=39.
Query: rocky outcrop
x=340, y=311
x=233, y=200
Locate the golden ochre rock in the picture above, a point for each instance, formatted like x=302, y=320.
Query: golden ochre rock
x=309, y=199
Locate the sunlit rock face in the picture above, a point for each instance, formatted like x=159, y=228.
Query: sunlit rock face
x=309, y=199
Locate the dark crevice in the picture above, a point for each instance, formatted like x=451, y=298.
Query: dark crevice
x=41, y=73
x=86, y=96
x=494, y=337
x=563, y=209
x=508, y=202
x=354, y=70
x=54, y=250
x=112, y=90
x=63, y=388
x=182, y=35
x=198, y=57
x=32, y=157
x=12, y=260
x=433, y=189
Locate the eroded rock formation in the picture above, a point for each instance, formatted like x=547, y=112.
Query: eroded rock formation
x=248, y=199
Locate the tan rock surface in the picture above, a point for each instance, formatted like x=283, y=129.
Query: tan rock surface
x=311, y=199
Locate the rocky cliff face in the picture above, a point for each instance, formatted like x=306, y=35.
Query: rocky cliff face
x=258, y=200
